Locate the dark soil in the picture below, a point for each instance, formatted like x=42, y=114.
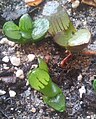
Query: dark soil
x=28, y=103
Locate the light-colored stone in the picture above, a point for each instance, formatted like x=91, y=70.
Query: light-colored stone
x=31, y=57
x=2, y=92
x=3, y=40
x=15, y=61
x=10, y=43
x=12, y=93
x=27, y=82
x=6, y=41
x=75, y=4
x=33, y=110
x=82, y=90
x=20, y=74
x=5, y=66
x=79, y=77
x=34, y=66
x=5, y=59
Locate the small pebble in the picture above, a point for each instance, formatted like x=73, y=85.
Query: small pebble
x=82, y=90
x=2, y=92
x=15, y=61
x=20, y=74
x=5, y=67
x=75, y=4
x=41, y=111
x=3, y=40
x=5, y=59
x=27, y=82
x=88, y=117
x=31, y=57
x=6, y=41
x=12, y=93
x=33, y=110
x=79, y=77
x=84, y=23
x=34, y=66
x=9, y=79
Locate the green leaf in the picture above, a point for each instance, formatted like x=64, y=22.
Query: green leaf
x=41, y=27
x=25, y=23
x=26, y=35
x=94, y=85
x=57, y=102
x=51, y=89
x=59, y=22
x=38, y=79
x=61, y=38
x=81, y=37
x=57, y=16
x=11, y=30
x=42, y=64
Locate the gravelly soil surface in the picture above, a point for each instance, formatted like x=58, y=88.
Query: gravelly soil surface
x=28, y=104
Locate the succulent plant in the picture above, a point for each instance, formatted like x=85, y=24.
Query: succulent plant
x=40, y=80
x=63, y=31
x=27, y=31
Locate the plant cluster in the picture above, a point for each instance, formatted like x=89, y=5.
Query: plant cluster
x=64, y=34
x=27, y=31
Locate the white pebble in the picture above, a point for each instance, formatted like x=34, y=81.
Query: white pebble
x=69, y=0
x=12, y=93
x=27, y=82
x=79, y=77
x=2, y=92
x=10, y=43
x=20, y=74
x=3, y=40
x=33, y=110
x=5, y=66
x=31, y=57
x=88, y=117
x=75, y=4
x=5, y=59
x=15, y=61
x=82, y=90
x=6, y=41
x=34, y=66
x=84, y=23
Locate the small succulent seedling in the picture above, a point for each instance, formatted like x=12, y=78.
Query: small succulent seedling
x=64, y=33
x=27, y=31
x=40, y=80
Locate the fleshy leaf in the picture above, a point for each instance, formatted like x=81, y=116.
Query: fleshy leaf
x=25, y=23
x=61, y=38
x=94, y=85
x=51, y=89
x=57, y=102
x=11, y=30
x=57, y=16
x=38, y=79
x=26, y=35
x=41, y=27
x=42, y=64
x=58, y=22
x=81, y=37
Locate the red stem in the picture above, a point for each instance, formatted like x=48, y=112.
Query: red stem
x=66, y=59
